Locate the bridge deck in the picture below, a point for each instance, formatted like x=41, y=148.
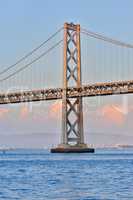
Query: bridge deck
x=98, y=89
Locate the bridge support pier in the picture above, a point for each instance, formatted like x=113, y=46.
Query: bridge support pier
x=72, y=140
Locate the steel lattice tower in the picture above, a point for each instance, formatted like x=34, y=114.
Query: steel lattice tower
x=72, y=139
x=72, y=113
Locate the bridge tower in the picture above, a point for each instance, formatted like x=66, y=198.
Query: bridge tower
x=72, y=138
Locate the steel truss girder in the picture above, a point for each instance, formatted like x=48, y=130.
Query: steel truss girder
x=98, y=89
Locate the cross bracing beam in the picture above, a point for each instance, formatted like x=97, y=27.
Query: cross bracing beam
x=98, y=89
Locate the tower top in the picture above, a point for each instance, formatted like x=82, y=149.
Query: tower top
x=71, y=26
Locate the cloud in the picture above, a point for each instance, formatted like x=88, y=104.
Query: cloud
x=24, y=111
x=55, y=109
x=109, y=114
x=4, y=112
x=113, y=114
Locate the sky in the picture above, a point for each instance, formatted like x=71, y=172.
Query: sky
x=25, y=24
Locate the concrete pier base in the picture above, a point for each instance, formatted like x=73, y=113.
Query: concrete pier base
x=81, y=148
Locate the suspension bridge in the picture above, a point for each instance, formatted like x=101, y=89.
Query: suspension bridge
x=106, y=67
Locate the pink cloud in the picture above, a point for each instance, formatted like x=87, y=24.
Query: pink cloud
x=55, y=110
x=112, y=114
x=4, y=112
x=24, y=111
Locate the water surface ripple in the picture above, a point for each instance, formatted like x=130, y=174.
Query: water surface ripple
x=40, y=175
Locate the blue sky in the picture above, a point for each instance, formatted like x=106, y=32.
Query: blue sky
x=26, y=23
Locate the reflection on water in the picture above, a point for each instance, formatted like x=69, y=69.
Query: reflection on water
x=39, y=175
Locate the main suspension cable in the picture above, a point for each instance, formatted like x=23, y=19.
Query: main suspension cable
x=106, y=39
x=33, y=61
x=31, y=52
